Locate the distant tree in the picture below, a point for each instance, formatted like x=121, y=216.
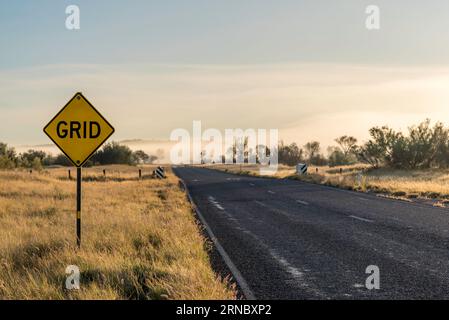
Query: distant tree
x=260, y=152
x=114, y=153
x=8, y=158
x=30, y=155
x=8, y=152
x=371, y=153
x=312, y=150
x=3, y=149
x=347, y=144
x=238, y=150
x=441, y=146
x=290, y=154
x=140, y=156
x=62, y=160
x=345, y=153
x=424, y=143
x=336, y=157
x=28, y=159
x=423, y=147
x=36, y=164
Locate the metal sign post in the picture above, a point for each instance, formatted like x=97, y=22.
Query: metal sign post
x=78, y=206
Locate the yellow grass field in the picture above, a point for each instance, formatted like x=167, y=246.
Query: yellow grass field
x=140, y=239
x=429, y=184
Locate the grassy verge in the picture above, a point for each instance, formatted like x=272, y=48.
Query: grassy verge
x=140, y=239
x=402, y=184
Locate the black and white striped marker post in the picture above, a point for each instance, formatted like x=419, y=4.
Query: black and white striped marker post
x=301, y=168
x=159, y=173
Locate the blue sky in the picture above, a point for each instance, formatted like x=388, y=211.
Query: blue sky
x=185, y=60
x=221, y=32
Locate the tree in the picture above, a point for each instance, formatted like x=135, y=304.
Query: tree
x=28, y=159
x=239, y=150
x=30, y=155
x=441, y=141
x=7, y=152
x=8, y=158
x=290, y=154
x=347, y=144
x=312, y=150
x=371, y=153
x=140, y=156
x=3, y=149
x=36, y=164
x=423, y=147
x=114, y=153
x=425, y=143
x=336, y=157
x=62, y=160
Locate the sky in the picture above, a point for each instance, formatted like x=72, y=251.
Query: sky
x=308, y=68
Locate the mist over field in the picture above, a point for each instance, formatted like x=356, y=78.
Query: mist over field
x=160, y=149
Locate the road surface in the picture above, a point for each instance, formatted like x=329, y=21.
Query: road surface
x=294, y=240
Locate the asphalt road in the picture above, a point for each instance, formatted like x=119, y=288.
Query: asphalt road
x=294, y=240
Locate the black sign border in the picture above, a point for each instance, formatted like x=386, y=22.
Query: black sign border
x=101, y=116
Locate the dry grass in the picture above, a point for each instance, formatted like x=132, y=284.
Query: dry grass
x=431, y=183
x=140, y=239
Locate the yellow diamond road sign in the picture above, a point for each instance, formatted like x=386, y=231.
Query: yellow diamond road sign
x=79, y=130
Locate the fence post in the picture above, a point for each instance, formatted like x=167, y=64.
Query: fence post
x=70, y=175
x=140, y=174
x=104, y=173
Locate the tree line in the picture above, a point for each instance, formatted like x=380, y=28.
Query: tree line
x=110, y=153
x=422, y=146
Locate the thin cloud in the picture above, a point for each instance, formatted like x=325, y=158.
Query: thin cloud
x=304, y=101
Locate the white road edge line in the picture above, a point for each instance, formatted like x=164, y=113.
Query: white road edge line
x=361, y=219
x=272, y=192
x=235, y=272
x=302, y=202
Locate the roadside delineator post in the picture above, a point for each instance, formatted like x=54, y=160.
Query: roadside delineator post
x=301, y=168
x=78, y=130
x=159, y=173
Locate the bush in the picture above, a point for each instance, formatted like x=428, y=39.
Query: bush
x=36, y=164
x=62, y=160
x=114, y=153
x=423, y=147
x=140, y=156
x=290, y=155
x=336, y=157
x=6, y=163
x=8, y=158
